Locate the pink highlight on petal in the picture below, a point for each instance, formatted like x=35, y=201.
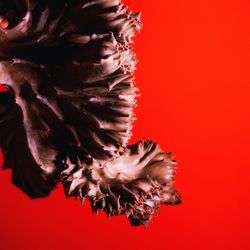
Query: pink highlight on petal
x=4, y=23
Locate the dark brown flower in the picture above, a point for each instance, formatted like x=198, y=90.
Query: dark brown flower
x=68, y=114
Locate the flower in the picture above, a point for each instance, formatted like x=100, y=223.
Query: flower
x=68, y=114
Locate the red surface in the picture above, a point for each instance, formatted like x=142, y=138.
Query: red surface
x=194, y=79
x=3, y=88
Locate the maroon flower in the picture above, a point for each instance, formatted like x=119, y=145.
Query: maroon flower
x=68, y=112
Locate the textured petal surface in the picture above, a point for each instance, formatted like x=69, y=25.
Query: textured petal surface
x=68, y=114
x=26, y=173
x=136, y=183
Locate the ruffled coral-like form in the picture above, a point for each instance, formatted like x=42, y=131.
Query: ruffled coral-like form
x=68, y=114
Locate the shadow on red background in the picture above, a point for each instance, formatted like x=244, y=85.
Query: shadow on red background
x=194, y=79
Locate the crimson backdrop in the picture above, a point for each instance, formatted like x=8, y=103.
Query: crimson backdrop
x=194, y=79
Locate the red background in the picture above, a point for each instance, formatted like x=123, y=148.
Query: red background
x=194, y=79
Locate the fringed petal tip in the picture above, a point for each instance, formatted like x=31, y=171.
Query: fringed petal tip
x=135, y=184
